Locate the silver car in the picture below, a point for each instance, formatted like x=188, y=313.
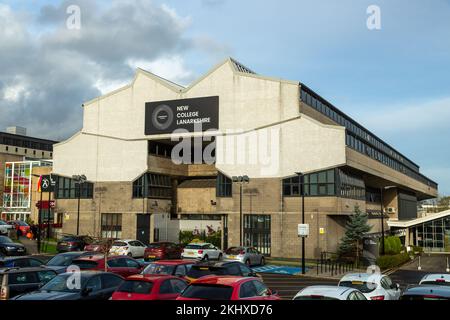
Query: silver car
x=248, y=255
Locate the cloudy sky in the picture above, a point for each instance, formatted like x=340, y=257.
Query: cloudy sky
x=395, y=81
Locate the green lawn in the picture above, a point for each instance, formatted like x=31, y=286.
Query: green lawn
x=48, y=248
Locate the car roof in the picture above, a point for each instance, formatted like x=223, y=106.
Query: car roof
x=26, y=269
x=436, y=276
x=18, y=258
x=98, y=257
x=126, y=240
x=198, y=243
x=222, y=280
x=327, y=291
x=362, y=277
x=428, y=290
x=173, y=262
x=150, y=277
x=89, y=273
x=219, y=264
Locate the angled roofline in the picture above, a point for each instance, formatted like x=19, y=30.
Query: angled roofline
x=414, y=222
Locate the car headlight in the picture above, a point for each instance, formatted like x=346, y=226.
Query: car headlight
x=10, y=248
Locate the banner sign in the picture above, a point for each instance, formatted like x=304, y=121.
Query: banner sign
x=46, y=183
x=167, y=116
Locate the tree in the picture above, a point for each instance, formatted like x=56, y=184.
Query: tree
x=356, y=229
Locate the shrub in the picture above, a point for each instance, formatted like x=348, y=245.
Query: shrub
x=188, y=236
x=392, y=261
x=392, y=245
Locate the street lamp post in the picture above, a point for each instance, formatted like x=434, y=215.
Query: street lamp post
x=79, y=179
x=241, y=180
x=301, y=177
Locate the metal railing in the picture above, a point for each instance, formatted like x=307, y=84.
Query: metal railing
x=332, y=266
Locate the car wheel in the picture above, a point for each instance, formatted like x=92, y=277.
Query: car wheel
x=247, y=262
x=130, y=254
x=206, y=258
x=263, y=261
x=219, y=258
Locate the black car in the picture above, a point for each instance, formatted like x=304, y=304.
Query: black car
x=93, y=286
x=17, y=281
x=61, y=261
x=426, y=292
x=231, y=268
x=10, y=248
x=20, y=262
x=70, y=243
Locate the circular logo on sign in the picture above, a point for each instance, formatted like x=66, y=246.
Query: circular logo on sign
x=45, y=183
x=162, y=117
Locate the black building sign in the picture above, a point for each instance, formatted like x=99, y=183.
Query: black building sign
x=47, y=183
x=167, y=116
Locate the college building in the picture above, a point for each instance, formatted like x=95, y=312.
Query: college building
x=161, y=158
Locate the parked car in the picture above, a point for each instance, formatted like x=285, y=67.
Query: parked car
x=426, y=292
x=131, y=248
x=121, y=265
x=94, y=286
x=162, y=250
x=99, y=246
x=228, y=288
x=73, y=243
x=17, y=281
x=329, y=293
x=60, y=262
x=20, y=225
x=178, y=268
x=373, y=286
x=149, y=287
x=20, y=262
x=11, y=248
x=201, y=251
x=224, y=268
x=248, y=255
x=4, y=228
x=436, y=279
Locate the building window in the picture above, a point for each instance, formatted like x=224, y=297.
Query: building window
x=224, y=188
x=321, y=184
x=257, y=232
x=152, y=185
x=112, y=225
x=373, y=195
x=351, y=186
x=66, y=188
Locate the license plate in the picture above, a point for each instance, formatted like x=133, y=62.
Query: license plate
x=20, y=249
x=63, y=243
x=231, y=257
x=152, y=257
x=190, y=253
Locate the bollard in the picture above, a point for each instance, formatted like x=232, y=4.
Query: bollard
x=419, y=266
x=448, y=268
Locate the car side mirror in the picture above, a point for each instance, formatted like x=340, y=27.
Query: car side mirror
x=273, y=293
x=86, y=292
x=252, y=274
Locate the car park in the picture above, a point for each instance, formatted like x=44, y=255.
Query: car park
x=426, y=292
x=201, y=251
x=121, y=265
x=11, y=248
x=150, y=287
x=228, y=288
x=223, y=268
x=439, y=279
x=93, y=286
x=374, y=286
x=179, y=268
x=73, y=243
x=5, y=228
x=329, y=293
x=61, y=261
x=20, y=262
x=20, y=225
x=162, y=251
x=131, y=248
x=17, y=281
x=248, y=255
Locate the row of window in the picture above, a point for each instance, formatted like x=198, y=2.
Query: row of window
x=351, y=186
x=196, y=155
x=25, y=143
x=152, y=185
x=224, y=186
x=26, y=151
x=363, y=141
x=315, y=184
x=67, y=188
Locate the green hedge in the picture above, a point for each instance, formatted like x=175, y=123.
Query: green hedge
x=392, y=261
x=392, y=245
x=214, y=238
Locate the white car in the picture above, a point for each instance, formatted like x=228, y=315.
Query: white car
x=201, y=251
x=374, y=286
x=438, y=279
x=4, y=228
x=131, y=248
x=329, y=293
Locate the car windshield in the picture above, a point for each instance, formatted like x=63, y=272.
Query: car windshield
x=62, y=283
x=134, y=286
x=21, y=223
x=119, y=244
x=195, y=246
x=5, y=240
x=209, y=292
x=437, y=282
x=85, y=264
x=363, y=286
x=69, y=238
x=154, y=268
x=3, y=223
x=234, y=250
x=155, y=245
x=312, y=297
x=61, y=260
x=414, y=297
x=201, y=271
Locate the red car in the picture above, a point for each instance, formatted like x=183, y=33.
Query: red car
x=178, y=268
x=98, y=246
x=121, y=265
x=150, y=287
x=228, y=288
x=22, y=226
x=162, y=250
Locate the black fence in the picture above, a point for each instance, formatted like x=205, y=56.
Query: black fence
x=328, y=263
